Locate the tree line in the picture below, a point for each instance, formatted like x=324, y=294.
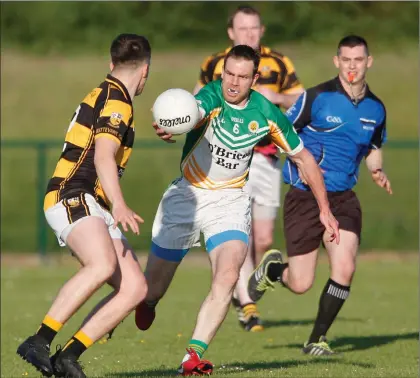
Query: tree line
x=65, y=27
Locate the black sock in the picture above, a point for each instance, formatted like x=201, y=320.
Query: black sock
x=75, y=349
x=330, y=303
x=77, y=345
x=46, y=333
x=275, y=271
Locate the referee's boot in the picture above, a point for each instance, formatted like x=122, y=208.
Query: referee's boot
x=66, y=365
x=258, y=281
x=36, y=351
x=321, y=348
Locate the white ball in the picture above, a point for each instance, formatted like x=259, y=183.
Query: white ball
x=176, y=111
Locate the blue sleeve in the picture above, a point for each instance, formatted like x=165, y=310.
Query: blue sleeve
x=379, y=136
x=299, y=114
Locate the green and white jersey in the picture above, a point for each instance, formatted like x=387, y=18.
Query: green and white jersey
x=218, y=151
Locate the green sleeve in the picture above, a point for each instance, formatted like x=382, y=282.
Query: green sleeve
x=210, y=97
x=283, y=134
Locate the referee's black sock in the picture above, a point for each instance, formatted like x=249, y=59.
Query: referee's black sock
x=275, y=271
x=330, y=303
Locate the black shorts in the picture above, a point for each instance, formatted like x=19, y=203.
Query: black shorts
x=303, y=229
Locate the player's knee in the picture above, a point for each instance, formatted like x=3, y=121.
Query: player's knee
x=225, y=280
x=344, y=272
x=135, y=291
x=263, y=243
x=301, y=284
x=105, y=267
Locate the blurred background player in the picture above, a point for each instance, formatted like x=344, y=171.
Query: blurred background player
x=84, y=205
x=278, y=82
x=209, y=197
x=341, y=122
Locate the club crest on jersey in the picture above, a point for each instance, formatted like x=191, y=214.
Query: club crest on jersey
x=73, y=202
x=115, y=119
x=265, y=71
x=253, y=127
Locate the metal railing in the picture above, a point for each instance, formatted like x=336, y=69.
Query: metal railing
x=42, y=146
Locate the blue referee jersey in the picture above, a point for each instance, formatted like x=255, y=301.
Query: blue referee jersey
x=338, y=132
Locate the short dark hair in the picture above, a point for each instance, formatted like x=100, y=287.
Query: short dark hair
x=130, y=49
x=242, y=9
x=245, y=52
x=352, y=41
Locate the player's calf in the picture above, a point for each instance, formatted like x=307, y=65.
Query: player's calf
x=299, y=285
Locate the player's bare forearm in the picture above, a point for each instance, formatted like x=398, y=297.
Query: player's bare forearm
x=107, y=171
x=287, y=100
x=374, y=164
x=374, y=160
x=312, y=175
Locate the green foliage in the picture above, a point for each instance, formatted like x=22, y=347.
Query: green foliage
x=89, y=26
x=376, y=332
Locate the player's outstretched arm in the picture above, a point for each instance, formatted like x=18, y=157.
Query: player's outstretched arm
x=106, y=168
x=374, y=164
x=313, y=176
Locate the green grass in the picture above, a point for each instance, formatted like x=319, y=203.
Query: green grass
x=39, y=96
x=376, y=332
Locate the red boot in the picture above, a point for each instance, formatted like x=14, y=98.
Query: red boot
x=195, y=366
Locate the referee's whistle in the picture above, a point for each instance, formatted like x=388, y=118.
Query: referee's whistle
x=350, y=77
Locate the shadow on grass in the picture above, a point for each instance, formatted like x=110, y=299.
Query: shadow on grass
x=351, y=343
x=302, y=322
x=236, y=367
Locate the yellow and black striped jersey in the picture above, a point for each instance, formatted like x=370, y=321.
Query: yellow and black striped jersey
x=107, y=111
x=276, y=70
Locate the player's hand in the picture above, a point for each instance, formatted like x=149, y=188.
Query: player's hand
x=380, y=178
x=331, y=225
x=127, y=217
x=269, y=94
x=162, y=134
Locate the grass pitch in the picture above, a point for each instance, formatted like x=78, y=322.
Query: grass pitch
x=376, y=332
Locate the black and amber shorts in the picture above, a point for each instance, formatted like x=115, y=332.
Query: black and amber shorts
x=68, y=212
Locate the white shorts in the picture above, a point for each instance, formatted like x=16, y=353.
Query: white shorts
x=185, y=211
x=63, y=216
x=264, y=185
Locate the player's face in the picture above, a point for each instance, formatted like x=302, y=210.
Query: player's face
x=246, y=30
x=353, y=61
x=237, y=79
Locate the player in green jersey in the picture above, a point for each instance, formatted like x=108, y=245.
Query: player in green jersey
x=209, y=195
